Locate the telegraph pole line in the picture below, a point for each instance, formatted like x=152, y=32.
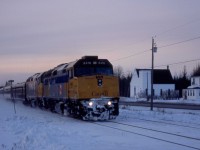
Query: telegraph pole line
x=154, y=50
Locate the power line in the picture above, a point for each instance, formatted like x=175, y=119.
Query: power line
x=131, y=55
x=188, y=40
x=169, y=30
x=179, y=26
x=176, y=63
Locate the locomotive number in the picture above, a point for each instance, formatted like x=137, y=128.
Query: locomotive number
x=104, y=93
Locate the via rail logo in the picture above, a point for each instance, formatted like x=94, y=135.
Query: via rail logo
x=99, y=80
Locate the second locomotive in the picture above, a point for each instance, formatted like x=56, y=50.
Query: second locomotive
x=85, y=88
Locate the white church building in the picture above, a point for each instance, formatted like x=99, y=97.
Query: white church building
x=140, y=85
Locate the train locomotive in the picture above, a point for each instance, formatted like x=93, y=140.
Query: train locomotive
x=85, y=88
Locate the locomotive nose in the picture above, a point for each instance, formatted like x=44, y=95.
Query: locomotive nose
x=94, y=87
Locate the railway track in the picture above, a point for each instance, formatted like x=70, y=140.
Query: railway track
x=169, y=122
x=164, y=136
x=135, y=126
x=155, y=134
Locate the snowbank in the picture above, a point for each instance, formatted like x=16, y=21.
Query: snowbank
x=180, y=101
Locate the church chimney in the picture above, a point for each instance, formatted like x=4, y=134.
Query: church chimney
x=167, y=67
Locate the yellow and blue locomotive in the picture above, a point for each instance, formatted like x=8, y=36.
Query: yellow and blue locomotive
x=84, y=88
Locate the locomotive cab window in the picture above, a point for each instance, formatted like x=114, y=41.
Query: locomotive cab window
x=81, y=71
x=71, y=73
x=92, y=66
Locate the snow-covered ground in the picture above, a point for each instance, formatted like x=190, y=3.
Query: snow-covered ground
x=33, y=128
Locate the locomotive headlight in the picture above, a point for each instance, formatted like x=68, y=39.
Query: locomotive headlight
x=109, y=103
x=90, y=103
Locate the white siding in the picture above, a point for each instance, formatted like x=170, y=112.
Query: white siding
x=193, y=91
x=141, y=83
x=164, y=87
x=146, y=80
x=195, y=81
x=193, y=94
x=135, y=85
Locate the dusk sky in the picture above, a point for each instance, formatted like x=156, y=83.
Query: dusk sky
x=36, y=35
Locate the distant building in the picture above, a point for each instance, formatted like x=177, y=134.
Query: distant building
x=141, y=83
x=193, y=91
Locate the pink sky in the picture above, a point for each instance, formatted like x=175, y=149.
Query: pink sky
x=40, y=34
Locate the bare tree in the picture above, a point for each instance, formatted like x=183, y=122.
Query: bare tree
x=118, y=71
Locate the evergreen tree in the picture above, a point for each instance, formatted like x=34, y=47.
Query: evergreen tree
x=196, y=71
x=182, y=81
x=124, y=81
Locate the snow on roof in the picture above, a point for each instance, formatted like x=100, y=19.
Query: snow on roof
x=60, y=67
x=194, y=87
x=196, y=76
x=71, y=64
x=35, y=76
x=19, y=85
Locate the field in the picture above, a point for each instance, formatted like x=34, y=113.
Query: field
x=135, y=128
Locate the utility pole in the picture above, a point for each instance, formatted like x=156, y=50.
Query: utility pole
x=154, y=50
x=147, y=93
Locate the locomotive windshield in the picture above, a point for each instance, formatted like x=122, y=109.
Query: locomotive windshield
x=93, y=67
x=93, y=71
